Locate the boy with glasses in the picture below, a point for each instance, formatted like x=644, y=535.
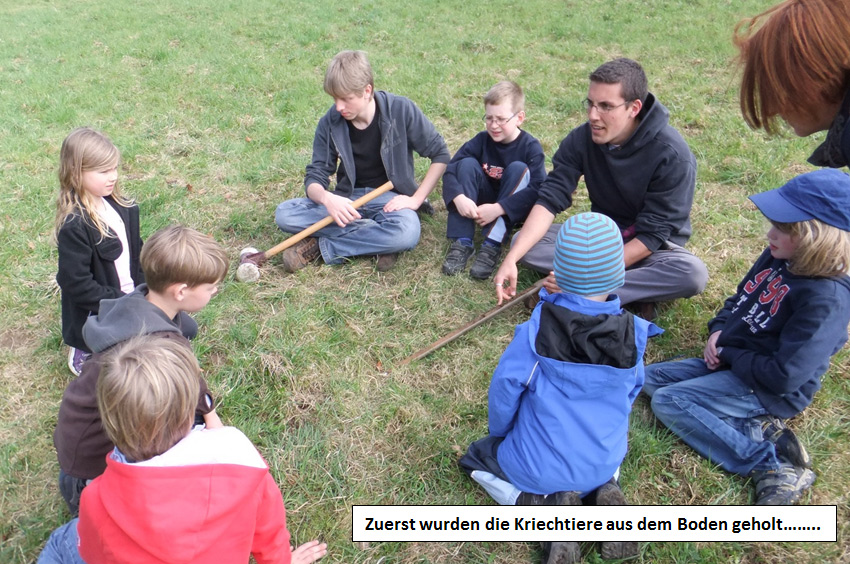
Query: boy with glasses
x=491, y=181
x=640, y=173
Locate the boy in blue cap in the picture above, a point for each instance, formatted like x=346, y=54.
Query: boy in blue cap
x=770, y=343
x=560, y=398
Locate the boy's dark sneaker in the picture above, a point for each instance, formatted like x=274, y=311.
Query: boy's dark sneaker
x=526, y=498
x=485, y=262
x=426, y=208
x=645, y=310
x=456, y=258
x=76, y=358
x=301, y=254
x=782, y=486
x=561, y=552
x=531, y=301
x=611, y=494
x=786, y=443
x=386, y=262
x=567, y=498
x=567, y=552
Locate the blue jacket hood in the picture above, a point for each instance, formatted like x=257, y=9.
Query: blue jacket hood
x=565, y=423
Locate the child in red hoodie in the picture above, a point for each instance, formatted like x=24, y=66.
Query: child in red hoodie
x=169, y=493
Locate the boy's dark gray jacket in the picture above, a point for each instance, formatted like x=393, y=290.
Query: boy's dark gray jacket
x=80, y=441
x=404, y=129
x=646, y=184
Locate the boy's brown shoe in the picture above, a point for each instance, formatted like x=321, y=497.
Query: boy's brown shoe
x=611, y=494
x=386, y=262
x=301, y=254
x=563, y=552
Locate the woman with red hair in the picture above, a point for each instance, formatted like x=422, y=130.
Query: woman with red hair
x=796, y=65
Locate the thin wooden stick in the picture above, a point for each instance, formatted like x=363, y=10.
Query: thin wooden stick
x=486, y=316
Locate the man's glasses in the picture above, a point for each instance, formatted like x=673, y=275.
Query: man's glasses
x=601, y=107
x=490, y=120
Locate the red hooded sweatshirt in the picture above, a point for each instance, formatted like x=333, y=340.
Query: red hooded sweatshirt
x=210, y=498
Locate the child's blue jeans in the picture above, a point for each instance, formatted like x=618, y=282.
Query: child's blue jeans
x=61, y=547
x=376, y=233
x=713, y=411
x=478, y=187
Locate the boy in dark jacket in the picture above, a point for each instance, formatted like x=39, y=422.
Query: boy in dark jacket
x=491, y=181
x=770, y=343
x=183, y=270
x=366, y=138
x=560, y=398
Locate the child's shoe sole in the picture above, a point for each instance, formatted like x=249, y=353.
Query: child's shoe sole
x=611, y=494
x=564, y=553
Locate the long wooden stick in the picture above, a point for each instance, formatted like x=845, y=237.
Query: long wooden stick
x=486, y=316
x=368, y=197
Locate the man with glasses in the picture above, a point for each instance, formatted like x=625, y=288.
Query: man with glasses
x=640, y=173
x=491, y=181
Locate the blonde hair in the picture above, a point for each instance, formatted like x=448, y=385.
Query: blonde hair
x=795, y=56
x=349, y=72
x=146, y=393
x=181, y=255
x=85, y=149
x=506, y=91
x=822, y=251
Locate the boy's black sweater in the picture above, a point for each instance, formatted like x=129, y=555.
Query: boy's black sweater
x=779, y=331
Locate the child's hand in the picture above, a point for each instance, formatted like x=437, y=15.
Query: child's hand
x=711, y=354
x=212, y=420
x=505, y=280
x=488, y=213
x=400, y=202
x=550, y=284
x=340, y=209
x=466, y=207
x=308, y=552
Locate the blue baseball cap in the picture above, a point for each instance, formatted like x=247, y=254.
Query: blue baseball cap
x=821, y=194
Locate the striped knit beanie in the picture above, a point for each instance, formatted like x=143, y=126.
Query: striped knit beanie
x=589, y=255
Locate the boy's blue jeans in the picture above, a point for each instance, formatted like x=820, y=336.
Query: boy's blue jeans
x=376, y=233
x=477, y=187
x=61, y=547
x=713, y=411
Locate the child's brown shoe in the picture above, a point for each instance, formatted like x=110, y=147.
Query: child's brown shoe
x=301, y=254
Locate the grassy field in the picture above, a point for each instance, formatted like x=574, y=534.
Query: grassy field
x=214, y=104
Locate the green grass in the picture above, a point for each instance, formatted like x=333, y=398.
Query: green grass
x=214, y=105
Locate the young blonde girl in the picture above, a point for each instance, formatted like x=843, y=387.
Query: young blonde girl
x=770, y=343
x=97, y=233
